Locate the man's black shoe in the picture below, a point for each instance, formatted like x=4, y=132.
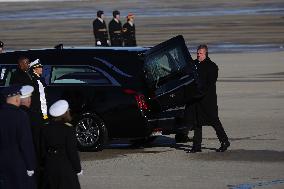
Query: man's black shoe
x=224, y=146
x=194, y=150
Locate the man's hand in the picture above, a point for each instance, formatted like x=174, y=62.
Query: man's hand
x=80, y=173
x=30, y=172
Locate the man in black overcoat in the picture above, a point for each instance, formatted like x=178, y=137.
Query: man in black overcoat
x=100, y=30
x=205, y=110
x=129, y=34
x=115, y=30
x=21, y=75
x=17, y=157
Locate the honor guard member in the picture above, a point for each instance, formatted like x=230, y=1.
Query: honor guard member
x=100, y=30
x=39, y=103
x=17, y=158
x=35, y=124
x=60, y=155
x=115, y=30
x=21, y=76
x=129, y=35
x=1, y=47
x=205, y=110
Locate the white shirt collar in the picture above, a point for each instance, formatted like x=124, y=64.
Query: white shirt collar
x=131, y=23
x=101, y=20
x=116, y=20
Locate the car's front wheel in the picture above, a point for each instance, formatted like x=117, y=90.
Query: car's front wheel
x=91, y=133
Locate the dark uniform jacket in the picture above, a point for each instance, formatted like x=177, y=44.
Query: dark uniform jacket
x=20, y=77
x=16, y=148
x=115, y=33
x=205, y=109
x=61, y=158
x=100, y=32
x=129, y=35
x=39, y=104
x=35, y=125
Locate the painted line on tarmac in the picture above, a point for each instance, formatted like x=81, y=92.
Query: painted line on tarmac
x=259, y=184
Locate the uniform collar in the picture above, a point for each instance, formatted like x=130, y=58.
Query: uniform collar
x=102, y=21
x=116, y=20
x=131, y=23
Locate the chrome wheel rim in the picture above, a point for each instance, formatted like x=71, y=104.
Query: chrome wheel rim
x=87, y=132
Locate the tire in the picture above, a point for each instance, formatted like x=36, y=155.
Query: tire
x=91, y=133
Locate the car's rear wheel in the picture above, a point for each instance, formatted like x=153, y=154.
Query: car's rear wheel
x=91, y=133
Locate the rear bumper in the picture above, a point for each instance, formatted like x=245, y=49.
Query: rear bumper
x=167, y=121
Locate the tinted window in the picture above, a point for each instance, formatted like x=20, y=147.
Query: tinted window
x=77, y=75
x=164, y=63
x=5, y=74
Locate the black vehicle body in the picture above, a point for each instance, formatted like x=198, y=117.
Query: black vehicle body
x=115, y=92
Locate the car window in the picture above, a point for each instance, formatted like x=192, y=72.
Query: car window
x=164, y=63
x=5, y=75
x=77, y=75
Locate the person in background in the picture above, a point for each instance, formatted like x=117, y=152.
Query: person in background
x=100, y=30
x=17, y=157
x=39, y=103
x=129, y=35
x=1, y=47
x=21, y=76
x=115, y=30
x=205, y=110
x=59, y=151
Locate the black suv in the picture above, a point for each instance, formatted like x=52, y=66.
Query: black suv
x=114, y=92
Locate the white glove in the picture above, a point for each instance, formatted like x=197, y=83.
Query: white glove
x=108, y=42
x=99, y=43
x=30, y=173
x=80, y=173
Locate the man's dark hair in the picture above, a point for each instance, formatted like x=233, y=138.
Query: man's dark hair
x=203, y=46
x=99, y=13
x=22, y=58
x=116, y=12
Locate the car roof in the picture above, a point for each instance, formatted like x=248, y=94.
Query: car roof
x=82, y=48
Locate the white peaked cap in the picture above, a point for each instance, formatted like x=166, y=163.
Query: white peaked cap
x=59, y=108
x=26, y=91
x=35, y=63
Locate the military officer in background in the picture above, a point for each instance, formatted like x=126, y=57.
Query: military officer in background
x=60, y=156
x=21, y=75
x=100, y=30
x=1, y=47
x=129, y=35
x=17, y=159
x=115, y=30
x=39, y=103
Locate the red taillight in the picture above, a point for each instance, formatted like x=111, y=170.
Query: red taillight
x=140, y=99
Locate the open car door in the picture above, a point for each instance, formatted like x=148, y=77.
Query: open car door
x=168, y=74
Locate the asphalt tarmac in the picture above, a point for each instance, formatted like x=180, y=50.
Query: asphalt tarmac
x=251, y=107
